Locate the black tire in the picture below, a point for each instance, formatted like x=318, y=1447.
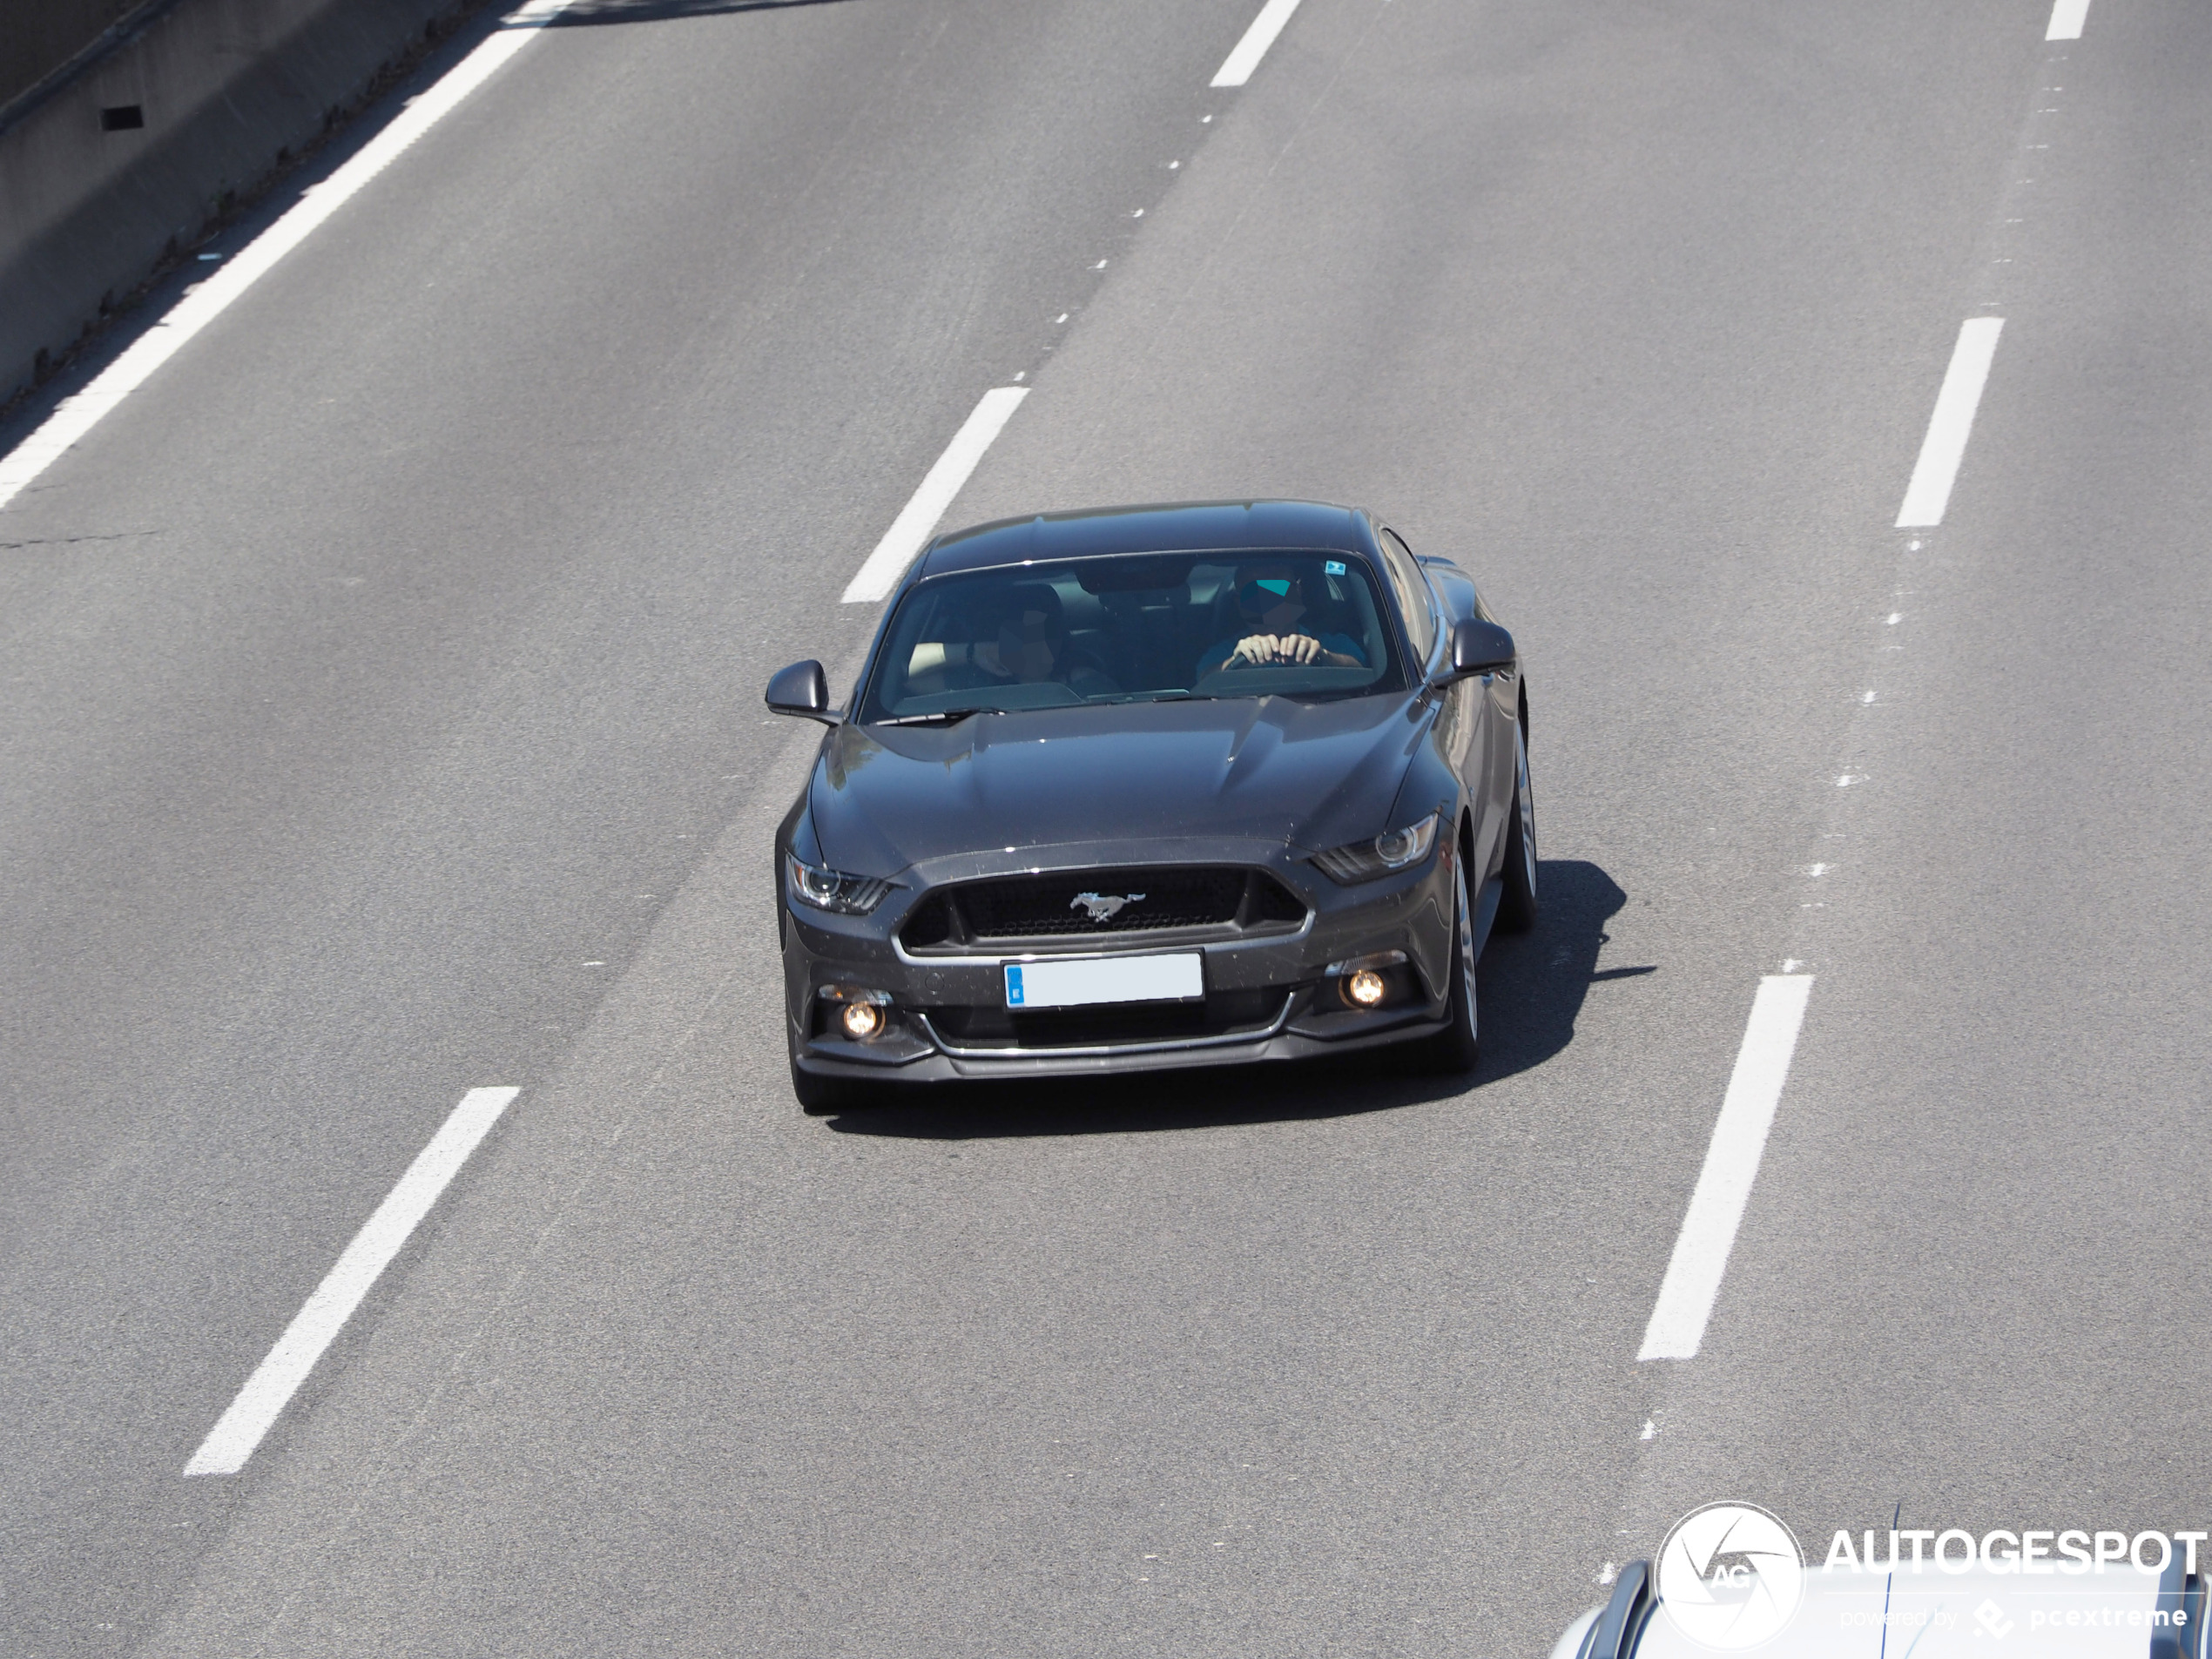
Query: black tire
x=1517, y=905
x=819, y=1096
x=1451, y=1052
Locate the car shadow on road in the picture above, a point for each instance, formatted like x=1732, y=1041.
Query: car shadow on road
x=1530, y=990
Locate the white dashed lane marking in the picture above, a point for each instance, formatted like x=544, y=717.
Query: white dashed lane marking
x=317, y=1324
x=2067, y=18
x=1700, y=1261
x=1929, y=492
x=1244, y=58
x=919, y=517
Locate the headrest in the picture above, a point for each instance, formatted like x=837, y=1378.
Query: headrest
x=1016, y=603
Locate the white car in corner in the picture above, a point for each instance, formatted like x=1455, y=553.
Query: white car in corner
x=1966, y=1611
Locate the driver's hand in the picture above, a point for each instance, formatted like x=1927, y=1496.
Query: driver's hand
x=1275, y=647
x=1252, y=649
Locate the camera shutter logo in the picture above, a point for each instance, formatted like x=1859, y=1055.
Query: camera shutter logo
x=1730, y=1577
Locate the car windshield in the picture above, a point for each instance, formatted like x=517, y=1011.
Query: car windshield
x=1133, y=628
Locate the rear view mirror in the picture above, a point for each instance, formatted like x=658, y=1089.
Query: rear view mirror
x=1477, y=647
x=803, y=690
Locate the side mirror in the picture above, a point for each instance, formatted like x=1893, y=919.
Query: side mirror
x=1477, y=647
x=803, y=690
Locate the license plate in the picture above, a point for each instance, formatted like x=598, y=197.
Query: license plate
x=1085, y=980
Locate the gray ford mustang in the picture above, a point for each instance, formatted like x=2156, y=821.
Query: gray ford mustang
x=1154, y=787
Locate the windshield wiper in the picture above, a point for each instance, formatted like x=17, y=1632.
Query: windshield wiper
x=941, y=717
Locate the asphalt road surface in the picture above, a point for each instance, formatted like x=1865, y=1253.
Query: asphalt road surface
x=382, y=720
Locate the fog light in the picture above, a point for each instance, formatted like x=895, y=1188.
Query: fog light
x=1365, y=989
x=860, y=1021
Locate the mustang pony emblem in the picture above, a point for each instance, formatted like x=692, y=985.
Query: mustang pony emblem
x=1103, y=906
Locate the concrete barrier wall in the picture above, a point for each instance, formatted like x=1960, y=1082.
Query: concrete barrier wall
x=89, y=202
x=40, y=36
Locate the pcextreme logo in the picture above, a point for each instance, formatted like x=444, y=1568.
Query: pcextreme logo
x=1730, y=1575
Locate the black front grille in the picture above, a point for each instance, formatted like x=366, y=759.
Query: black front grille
x=1083, y=903
x=1030, y=906
x=1223, y=1014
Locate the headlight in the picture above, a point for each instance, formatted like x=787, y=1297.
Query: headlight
x=848, y=895
x=1364, y=860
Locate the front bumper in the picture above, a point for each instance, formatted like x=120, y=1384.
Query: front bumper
x=1269, y=997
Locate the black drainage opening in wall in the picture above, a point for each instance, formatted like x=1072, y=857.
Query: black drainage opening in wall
x=121, y=117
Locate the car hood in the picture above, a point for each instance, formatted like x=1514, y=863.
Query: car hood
x=1315, y=775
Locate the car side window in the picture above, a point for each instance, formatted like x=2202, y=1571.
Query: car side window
x=1413, y=593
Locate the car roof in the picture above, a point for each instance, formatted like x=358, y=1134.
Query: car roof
x=1175, y=527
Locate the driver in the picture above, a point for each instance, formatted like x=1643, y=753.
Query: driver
x=1270, y=601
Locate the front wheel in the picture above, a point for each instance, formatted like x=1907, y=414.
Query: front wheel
x=1450, y=1051
x=1517, y=904
x=819, y=1096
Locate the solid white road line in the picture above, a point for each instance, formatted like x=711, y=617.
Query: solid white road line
x=1700, y=1261
x=278, y=1377
x=2067, y=18
x=1243, y=58
x=1946, y=445
x=75, y=416
x=920, y=516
